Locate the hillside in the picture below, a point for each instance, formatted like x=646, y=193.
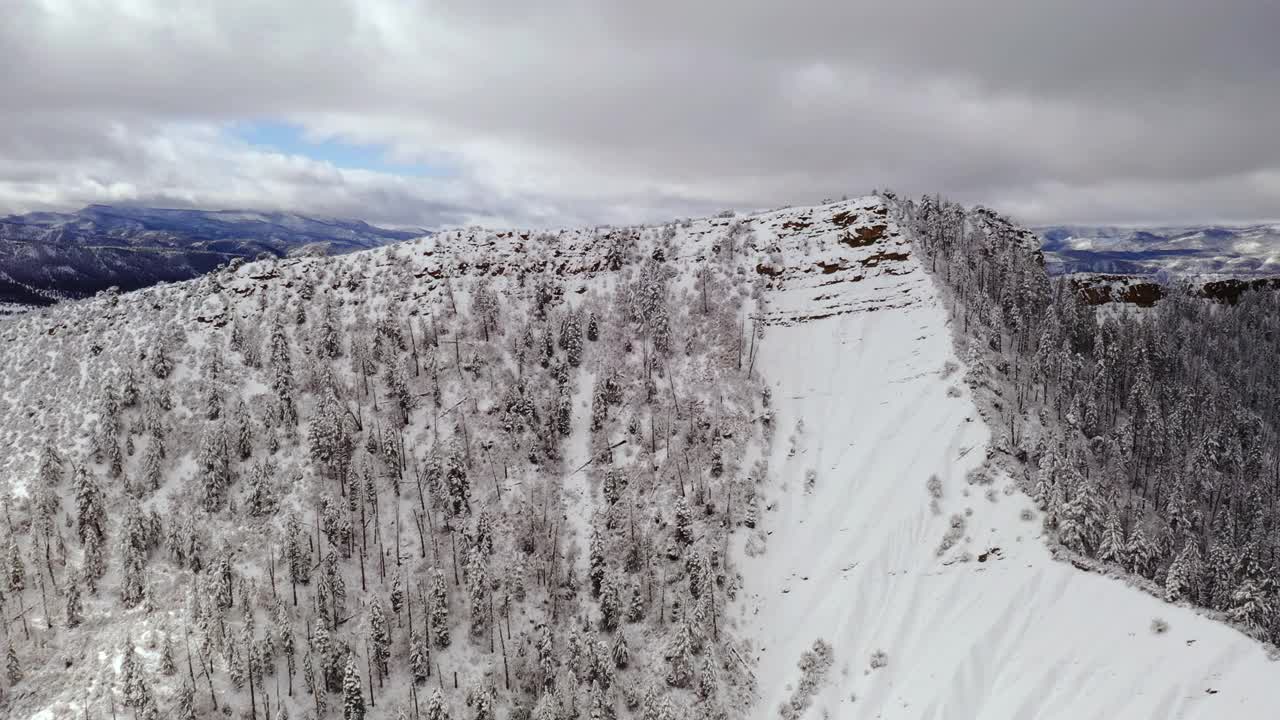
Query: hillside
x=724, y=468
x=49, y=256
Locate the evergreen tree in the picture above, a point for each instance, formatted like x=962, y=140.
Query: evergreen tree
x=1251, y=605
x=1178, y=583
x=1140, y=552
x=260, y=499
x=419, y=658
x=437, y=709
x=131, y=676
x=438, y=610
x=1113, y=546
x=620, y=652
x=213, y=467
x=74, y=608
x=571, y=339
x=185, y=703
x=477, y=577
x=707, y=682
x=678, y=655
x=12, y=669
x=152, y=466
x=17, y=574
x=89, y=507
x=352, y=696
x=683, y=522
x=379, y=637
x=596, y=562
x=635, y=609
x=242, y=425
x=611, y=607
x=167, y=664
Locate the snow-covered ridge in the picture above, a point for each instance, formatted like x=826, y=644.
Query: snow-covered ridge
x=926, y=574
x=856, y=519
x=408, y=340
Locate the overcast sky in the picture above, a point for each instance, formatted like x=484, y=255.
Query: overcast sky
x=551, y=112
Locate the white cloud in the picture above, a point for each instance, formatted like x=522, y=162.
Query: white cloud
x=571, y=111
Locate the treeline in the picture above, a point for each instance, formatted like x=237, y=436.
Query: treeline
x=1147, y=436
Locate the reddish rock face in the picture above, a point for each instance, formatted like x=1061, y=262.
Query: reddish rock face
x=1103, y=289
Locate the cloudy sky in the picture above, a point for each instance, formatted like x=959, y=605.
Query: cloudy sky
x=440, y=112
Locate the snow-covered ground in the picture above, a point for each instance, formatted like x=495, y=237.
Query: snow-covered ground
x=868, y=404
x=992, y=627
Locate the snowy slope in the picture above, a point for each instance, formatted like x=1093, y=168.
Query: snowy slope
x=838, y=540
x=991, y=628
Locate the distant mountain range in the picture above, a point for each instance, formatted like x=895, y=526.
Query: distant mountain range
x=1207, y=250
x=46, y=257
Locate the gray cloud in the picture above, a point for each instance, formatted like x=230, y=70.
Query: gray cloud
x=571, y=111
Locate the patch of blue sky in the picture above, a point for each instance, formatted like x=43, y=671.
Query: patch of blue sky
x=291, y=139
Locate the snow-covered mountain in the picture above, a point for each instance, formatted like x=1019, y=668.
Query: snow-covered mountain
x=46, y=256
x=724, y=468
x=1217, y=250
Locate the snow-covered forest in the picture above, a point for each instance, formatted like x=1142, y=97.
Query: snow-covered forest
x=655, y=472
x=475, y=475
x=1148, y=436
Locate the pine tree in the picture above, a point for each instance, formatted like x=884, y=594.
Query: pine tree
x=89, y=507
x=1178, y=583
x=352, y=696
x=95, y=559
x=599, y=711
x=330, y=442
x=161, y=363
x=635, y=609
x=1140, y=552
x=1251, y=605
x=620, y=652
x=167, y=664
x=397, y=593
x=611, y=607
x=615, y=483
x=419, y=658
x=379, y=637
x=599, y=406
x=437, y=709
x=596, y=570
x=12, y=669
x=74, y=608
x=438, y=610
x=260, y=500
x=242, y=425
x=683, y=522
x=571, y=339
x=185, y=704
x=17, y=574
x=1113, y=546
x=564, y=411
x=679, y=657
x=131, y=676
x=477, y=578
x=486, y=309
x=152, y=466
x=482, y=698
x=707, y=682
x=281, y=366
x=213, y=467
